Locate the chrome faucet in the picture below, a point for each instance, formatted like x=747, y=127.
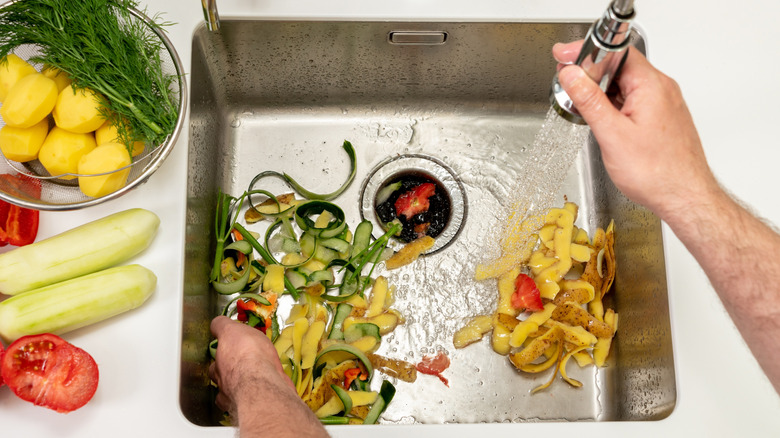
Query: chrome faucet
x=210, y=14
x=601, y=56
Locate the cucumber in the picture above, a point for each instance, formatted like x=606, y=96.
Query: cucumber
x=337, y=327
x=362, y=237
x=82, y=250
x=358, y=330
x=336, y=244
x=359, y=355
x=343, y=395
x=386, y=394
x=324, y=276
x=78, y=302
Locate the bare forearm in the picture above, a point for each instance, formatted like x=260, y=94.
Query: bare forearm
x=741, y=256
x=253, y=387
x=273, y=409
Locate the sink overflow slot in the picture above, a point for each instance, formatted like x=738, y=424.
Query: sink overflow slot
x=417, y=38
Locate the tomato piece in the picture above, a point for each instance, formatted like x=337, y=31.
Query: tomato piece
x=526, y=295
x=48, y=371
x=415, y=201
x=435, y=365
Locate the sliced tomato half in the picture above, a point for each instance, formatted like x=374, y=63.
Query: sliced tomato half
x=526, y=296
x=48, y=371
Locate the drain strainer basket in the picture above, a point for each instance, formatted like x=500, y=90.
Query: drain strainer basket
x=429, y=167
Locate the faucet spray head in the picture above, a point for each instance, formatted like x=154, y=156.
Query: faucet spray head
x=601, y=55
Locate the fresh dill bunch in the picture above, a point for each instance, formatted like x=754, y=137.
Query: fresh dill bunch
x=102, y=46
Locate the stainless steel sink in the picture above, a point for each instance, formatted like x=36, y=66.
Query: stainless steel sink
x=467, y=99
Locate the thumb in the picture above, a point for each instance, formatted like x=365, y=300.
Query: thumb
x=588, y=98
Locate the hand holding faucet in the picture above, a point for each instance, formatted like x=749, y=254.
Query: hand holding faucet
x=653, y=154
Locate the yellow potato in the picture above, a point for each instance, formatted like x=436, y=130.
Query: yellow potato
x=29, y=101
x=401, y=369
x=107, y=133
x=575, y=315
x=274, y=277
x=108, y=157
x=62, y=150
x=365, y=344
x=473, y=331
x=500, y=337
x=536, y=348
x=362, y=398
x=410, y=252
x=78, y=110
x=12, y=68
x=310, y=342
x=23, y=144
x=58, y=76
x=378, y=293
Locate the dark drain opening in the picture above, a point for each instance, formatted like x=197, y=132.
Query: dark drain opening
x=408, y=175
x=418, y=201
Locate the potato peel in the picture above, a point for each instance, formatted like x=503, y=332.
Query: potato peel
x=573, y=273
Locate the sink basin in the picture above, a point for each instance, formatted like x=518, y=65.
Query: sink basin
x=467, y=100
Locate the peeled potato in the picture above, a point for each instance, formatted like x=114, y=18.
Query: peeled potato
x=23, y=144
x=108, y=133
x=78, y=110
x=12, y=68
x=107, y=157
x=29, y=101
x=62, y=150
x=58, y=76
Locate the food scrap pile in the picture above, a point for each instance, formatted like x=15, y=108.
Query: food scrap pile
x=554, y=311
x=340, y=310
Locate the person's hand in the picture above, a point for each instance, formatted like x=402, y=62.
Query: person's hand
x=245, y=357
x=250, y=379
x=650, y=146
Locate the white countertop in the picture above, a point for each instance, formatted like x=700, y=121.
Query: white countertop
x=725, y=60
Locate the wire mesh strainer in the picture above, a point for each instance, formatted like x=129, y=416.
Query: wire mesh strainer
x=57, y=193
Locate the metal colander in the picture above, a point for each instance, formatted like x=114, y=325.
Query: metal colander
x=57, y=193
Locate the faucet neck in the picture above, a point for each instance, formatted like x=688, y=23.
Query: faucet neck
x=623, y=7
x=612, y=30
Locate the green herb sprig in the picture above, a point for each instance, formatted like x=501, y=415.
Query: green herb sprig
x=102, y=46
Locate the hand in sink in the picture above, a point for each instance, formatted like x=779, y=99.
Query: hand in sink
x=253, y=388
x=653, y=154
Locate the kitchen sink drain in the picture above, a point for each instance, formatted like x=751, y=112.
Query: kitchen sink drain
x=404, y=174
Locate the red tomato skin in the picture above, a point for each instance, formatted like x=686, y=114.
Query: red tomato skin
x=434, y=366
x=48, y=371
x=415, y=201
x=526, y=296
